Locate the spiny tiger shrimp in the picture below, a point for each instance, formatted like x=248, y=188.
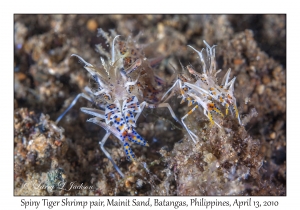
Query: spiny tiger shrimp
x=119, y=98
x=204, y=91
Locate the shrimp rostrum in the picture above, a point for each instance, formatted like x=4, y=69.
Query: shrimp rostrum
x=118, y=96
x=203, y=90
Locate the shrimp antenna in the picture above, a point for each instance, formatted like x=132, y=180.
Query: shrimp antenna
x=113, y=49
x=81, y=60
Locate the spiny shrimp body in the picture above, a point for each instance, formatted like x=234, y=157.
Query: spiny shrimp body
x=204, y=91
x=119, y=98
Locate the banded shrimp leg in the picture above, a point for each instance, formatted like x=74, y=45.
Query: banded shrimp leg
x=99, y=115
x=178, y=84
x=153, y=106
x=188, y=130
x=86, y=95
x=206, y=111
